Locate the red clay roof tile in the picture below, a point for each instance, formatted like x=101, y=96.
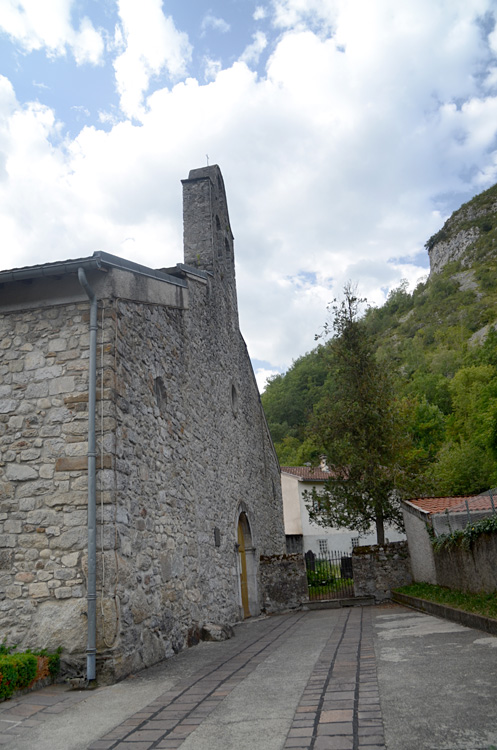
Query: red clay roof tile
x=308, y=473
x=455, y=504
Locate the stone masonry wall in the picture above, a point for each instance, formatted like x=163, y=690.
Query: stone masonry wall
x=183, y=449
x=380, y=568
x=43, y=478
x=183, y=453
x=284, y=581
x=189, y=456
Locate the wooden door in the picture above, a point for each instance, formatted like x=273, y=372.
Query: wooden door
x=243, y=570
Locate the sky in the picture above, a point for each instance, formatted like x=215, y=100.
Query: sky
x=347, y=131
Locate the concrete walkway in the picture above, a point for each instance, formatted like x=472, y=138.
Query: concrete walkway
x=352, y=679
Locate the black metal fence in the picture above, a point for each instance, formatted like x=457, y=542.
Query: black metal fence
x=329, y=576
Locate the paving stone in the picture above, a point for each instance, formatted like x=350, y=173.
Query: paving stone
x=145, y=734
x=336, y=728
x=336, y=715
x=334, y=743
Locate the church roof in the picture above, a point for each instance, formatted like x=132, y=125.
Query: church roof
x=98, y=261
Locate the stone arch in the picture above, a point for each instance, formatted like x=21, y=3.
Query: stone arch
x=248, y=598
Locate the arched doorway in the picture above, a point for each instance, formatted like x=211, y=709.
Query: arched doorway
x=247, y=569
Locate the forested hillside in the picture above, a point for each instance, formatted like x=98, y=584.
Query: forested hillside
x=440, y=344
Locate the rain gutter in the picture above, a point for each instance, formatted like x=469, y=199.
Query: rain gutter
x=91, y=649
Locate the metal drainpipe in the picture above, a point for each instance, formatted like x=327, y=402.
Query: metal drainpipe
x=91, y=649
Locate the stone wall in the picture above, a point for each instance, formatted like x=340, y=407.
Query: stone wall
x=192, y=452
x=473, y=570
x=43, y=482
x=183, y=453
x=380, y=568
x=284, y=582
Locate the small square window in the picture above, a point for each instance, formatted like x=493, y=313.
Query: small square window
x=323, y=546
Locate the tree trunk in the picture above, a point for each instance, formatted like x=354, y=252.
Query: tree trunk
x=380, y=527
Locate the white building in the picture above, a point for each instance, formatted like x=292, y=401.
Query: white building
x=304, y=535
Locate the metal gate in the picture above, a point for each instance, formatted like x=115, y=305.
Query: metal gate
x=329, y=576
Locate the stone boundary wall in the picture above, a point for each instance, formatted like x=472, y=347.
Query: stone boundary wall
x=283, y=582
x=472, y=570
x=380, y=568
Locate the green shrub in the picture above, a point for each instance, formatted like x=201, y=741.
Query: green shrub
x=319, y=578
x=8, y=677
x=4, y=649
x=19, y=670
x=25, y=666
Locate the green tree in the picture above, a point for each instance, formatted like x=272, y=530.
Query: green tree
x=363, y=429
x=288, y=401
x=463, y=468
x=466, y=463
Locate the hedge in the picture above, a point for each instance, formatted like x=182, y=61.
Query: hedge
x=17, y=671
x=20, y=670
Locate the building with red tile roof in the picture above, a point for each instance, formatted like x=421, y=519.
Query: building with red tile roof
x=301, y=533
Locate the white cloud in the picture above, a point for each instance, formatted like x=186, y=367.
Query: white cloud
x=333, y=161
x=88, y=45
x=259, y=13
x=297, y=13
x=261, y=375
x=213, y=22
x=153, y=45
x=211, y=68
x=47, y=25
x=81, y=111
x=252, y=52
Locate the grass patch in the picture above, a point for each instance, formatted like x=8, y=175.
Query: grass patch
x=480, y=604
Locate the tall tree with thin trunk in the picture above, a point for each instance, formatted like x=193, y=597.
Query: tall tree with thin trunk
x=360, y=426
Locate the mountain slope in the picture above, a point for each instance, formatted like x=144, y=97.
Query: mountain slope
x=441, y=343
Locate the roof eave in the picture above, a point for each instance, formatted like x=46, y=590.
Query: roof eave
x=99, y=261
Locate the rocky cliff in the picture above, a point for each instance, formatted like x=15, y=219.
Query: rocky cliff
x=469, y=234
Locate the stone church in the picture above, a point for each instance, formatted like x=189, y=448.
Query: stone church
x=139, y=489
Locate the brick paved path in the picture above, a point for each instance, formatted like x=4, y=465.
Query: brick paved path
x=338, y=708
x=173, y=716
x=33, y=709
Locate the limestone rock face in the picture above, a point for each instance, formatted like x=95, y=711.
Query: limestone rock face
x=453, y=249
x=470, y=233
